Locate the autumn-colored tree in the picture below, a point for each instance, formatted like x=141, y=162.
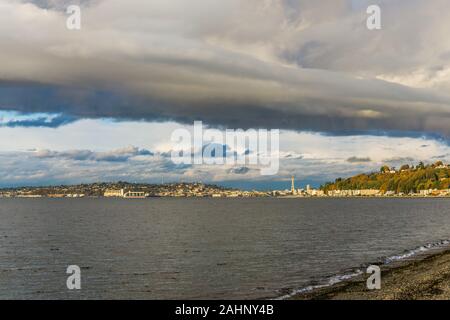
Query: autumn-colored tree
x=406, y=180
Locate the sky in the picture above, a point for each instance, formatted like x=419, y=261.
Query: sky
x=101, y=103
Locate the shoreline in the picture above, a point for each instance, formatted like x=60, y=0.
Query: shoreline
x=424, y=277
x=247, y=197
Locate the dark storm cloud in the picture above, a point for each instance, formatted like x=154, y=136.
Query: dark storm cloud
x=358, y=159
x=441, y=156
x=399, y=160
x=239, y=170
x=301, y=65
x=87, y=103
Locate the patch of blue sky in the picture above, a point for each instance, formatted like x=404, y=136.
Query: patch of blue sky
x=39, y=119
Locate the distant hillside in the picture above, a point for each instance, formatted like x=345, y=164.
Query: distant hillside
x=407, y=179
x=98, y=189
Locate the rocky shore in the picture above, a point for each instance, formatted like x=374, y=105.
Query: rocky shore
x=426, y=278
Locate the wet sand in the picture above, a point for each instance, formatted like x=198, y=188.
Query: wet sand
x=427, y=278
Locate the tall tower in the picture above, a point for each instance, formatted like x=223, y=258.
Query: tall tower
x=293, y=185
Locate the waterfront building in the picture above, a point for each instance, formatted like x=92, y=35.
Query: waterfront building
x=114, y=193
x=135, y=195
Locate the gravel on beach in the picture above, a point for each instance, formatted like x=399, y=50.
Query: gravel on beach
x=423, y=279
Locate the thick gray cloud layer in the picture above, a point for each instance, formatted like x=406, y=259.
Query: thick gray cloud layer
x=304, y=65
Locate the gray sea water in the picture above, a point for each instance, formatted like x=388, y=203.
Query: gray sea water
x=203, y=248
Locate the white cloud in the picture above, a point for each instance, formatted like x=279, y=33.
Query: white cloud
x=308, y=156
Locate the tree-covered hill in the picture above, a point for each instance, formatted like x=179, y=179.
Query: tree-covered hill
x=407, y=179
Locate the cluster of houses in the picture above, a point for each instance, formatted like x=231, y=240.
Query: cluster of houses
x=185, y=190
x=354, y=193
x=378, y=193
x=30, y=195
x=298, y=193
x=358, y=193
x=112, y=193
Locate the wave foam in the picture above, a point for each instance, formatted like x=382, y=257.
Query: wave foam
x=422, y=249
x=343, y=277
x=329, y=282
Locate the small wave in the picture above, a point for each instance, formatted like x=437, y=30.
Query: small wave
x=328, y=283
x=343, y=277
x=422, y=249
